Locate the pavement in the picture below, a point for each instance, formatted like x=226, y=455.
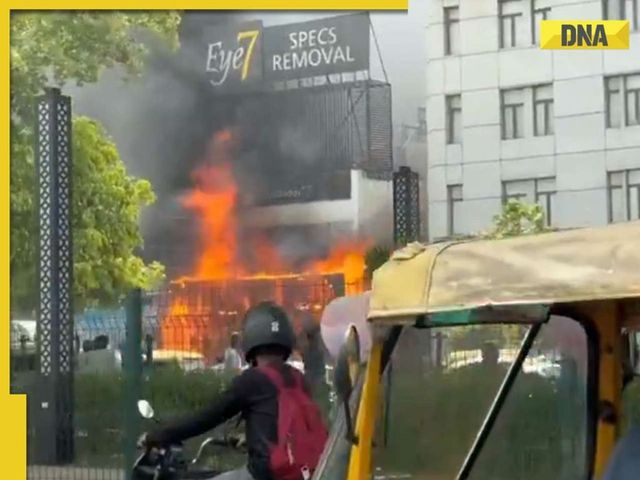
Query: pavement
x=73, y=473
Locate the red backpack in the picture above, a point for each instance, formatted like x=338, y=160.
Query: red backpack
x=301, y=431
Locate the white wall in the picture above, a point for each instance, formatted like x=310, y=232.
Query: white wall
x=374, y=198
x=579, y=154
x=311, y=213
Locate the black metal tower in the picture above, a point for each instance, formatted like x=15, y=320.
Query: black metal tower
x=55, y=275
x=406, y=205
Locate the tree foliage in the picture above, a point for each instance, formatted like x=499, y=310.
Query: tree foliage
x=76, y=47
x=108, y=204
x=518, y=218
x=375, y=258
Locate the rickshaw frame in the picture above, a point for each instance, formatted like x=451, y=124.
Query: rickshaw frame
x=591, y=275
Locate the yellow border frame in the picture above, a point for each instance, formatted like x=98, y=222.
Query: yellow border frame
x=13, y=408
x=308, y=5
x=608, y=324
x=361, y=454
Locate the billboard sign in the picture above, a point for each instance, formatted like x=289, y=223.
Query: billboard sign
x=233, y=56
x=317, y=48
x=239, y=56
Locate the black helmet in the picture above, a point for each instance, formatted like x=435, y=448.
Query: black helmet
x=266, y=324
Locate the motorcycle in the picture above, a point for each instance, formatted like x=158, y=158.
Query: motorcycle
x=169, y=462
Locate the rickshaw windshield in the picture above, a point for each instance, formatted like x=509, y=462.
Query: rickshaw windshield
x=441, y=382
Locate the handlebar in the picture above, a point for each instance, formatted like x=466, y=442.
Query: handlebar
x=219, y=442
x=223, y=442
x=168, y=458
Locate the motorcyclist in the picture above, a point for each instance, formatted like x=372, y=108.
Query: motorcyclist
x=268, y=340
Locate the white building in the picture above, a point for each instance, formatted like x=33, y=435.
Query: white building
x=506, y=119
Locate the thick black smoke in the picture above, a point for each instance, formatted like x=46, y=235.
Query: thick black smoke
x=163, y=121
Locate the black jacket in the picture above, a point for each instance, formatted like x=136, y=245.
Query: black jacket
x=251, y=394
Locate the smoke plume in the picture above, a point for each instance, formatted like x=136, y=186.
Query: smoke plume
x=162, y=123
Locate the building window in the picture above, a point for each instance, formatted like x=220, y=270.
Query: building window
x=512, y=109
x=521, y=190
x=613, y=99
x=510, y=18
x=540, y=11
x=632, y=99
x=451, y=30
x=622, y=10
x=454, y=202
x=543, y=110
x=632, y=13
x=536, y=190
x=613, y=9
x=624, y=195
x=623, y=100
x=454, y=119
x=545, y=197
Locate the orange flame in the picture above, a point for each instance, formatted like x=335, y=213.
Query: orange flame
x=177, y=331
x=347, y=258
x=214, y=200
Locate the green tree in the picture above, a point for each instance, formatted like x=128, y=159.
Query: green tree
x=107, y=222
x=517, y=218
x=76, y=47
x=375, y=258
x=62, y=47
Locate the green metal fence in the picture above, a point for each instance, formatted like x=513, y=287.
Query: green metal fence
x=145, y=349
x=441, y=385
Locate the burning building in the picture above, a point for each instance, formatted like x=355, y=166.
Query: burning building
x=284, y=201
x=238, y=265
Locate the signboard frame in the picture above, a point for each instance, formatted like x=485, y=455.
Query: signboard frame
x=248, y=56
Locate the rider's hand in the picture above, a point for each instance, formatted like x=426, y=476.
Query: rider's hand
x=239, y=440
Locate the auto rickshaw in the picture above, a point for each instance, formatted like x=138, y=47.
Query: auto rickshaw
x=560, y=312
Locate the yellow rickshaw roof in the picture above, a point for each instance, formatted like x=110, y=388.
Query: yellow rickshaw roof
x=567, y=266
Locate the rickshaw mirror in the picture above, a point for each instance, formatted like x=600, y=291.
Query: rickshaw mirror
x=145, y=409
x=347, y=364
x=346, y=374
x=634, y=351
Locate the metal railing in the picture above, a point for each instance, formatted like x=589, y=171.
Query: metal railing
x=166, y=347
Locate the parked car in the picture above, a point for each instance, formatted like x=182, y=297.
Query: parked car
x=23, y=335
